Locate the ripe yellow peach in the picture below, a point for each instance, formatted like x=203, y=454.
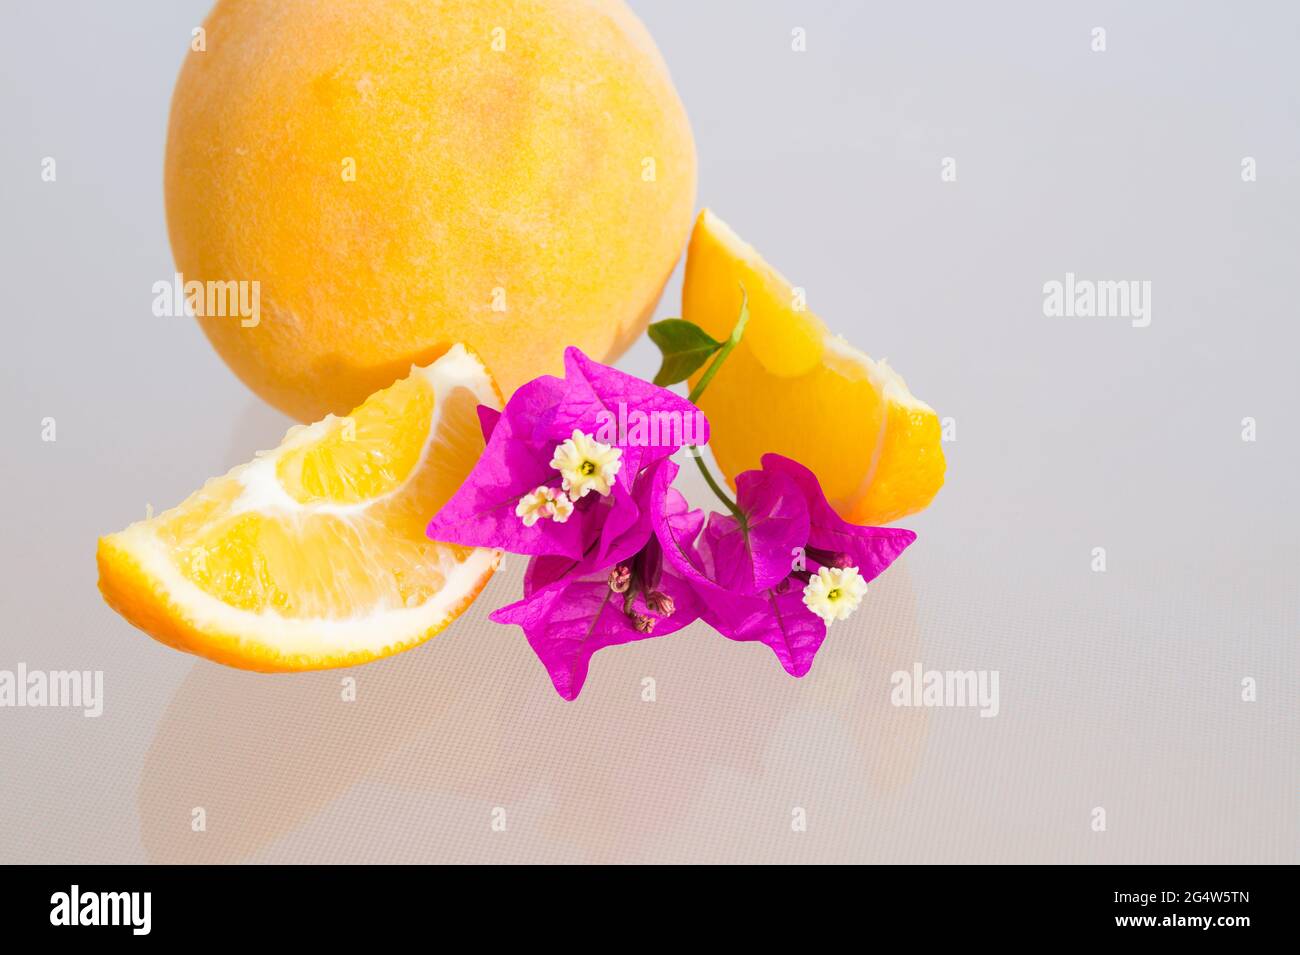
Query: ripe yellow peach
x=398, y=176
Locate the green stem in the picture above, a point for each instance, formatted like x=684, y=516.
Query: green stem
x=712, y=482
x=708, y=375
x=732, y=340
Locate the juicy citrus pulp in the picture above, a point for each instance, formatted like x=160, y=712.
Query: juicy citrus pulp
x=793, y=388
x=314, y=554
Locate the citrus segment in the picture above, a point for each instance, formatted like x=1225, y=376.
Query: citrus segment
x=793, y=388
x=314, y=555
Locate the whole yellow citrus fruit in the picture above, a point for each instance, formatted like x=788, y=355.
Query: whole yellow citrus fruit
x=396, y=176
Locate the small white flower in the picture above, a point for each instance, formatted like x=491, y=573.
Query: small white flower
x=537, y=506
x=561, y=506
x=586, y=465
x=834, y=592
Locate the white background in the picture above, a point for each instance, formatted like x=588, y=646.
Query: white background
x=1118, y=690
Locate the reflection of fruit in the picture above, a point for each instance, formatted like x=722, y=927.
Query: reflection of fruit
x=314, y=555
x=524, y=180
x=793, y=388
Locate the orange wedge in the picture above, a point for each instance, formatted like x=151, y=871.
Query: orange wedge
x=793, y=388
x=314, y=555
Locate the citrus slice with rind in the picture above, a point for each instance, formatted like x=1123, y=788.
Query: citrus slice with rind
x=792, y=387
x=314, y=555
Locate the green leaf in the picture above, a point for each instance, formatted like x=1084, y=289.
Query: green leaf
x=685, y=348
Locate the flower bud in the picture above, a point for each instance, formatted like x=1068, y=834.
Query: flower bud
x=643, y=624
x=620, y=578
x=660, y=603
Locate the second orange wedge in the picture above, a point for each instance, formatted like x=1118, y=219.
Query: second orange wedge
x=793, y=388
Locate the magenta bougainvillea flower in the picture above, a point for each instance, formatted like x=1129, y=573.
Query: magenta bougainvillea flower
x=577, y=475
x=572, y=474
x=561, y=460
x=784, y=567
x=572, y=608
